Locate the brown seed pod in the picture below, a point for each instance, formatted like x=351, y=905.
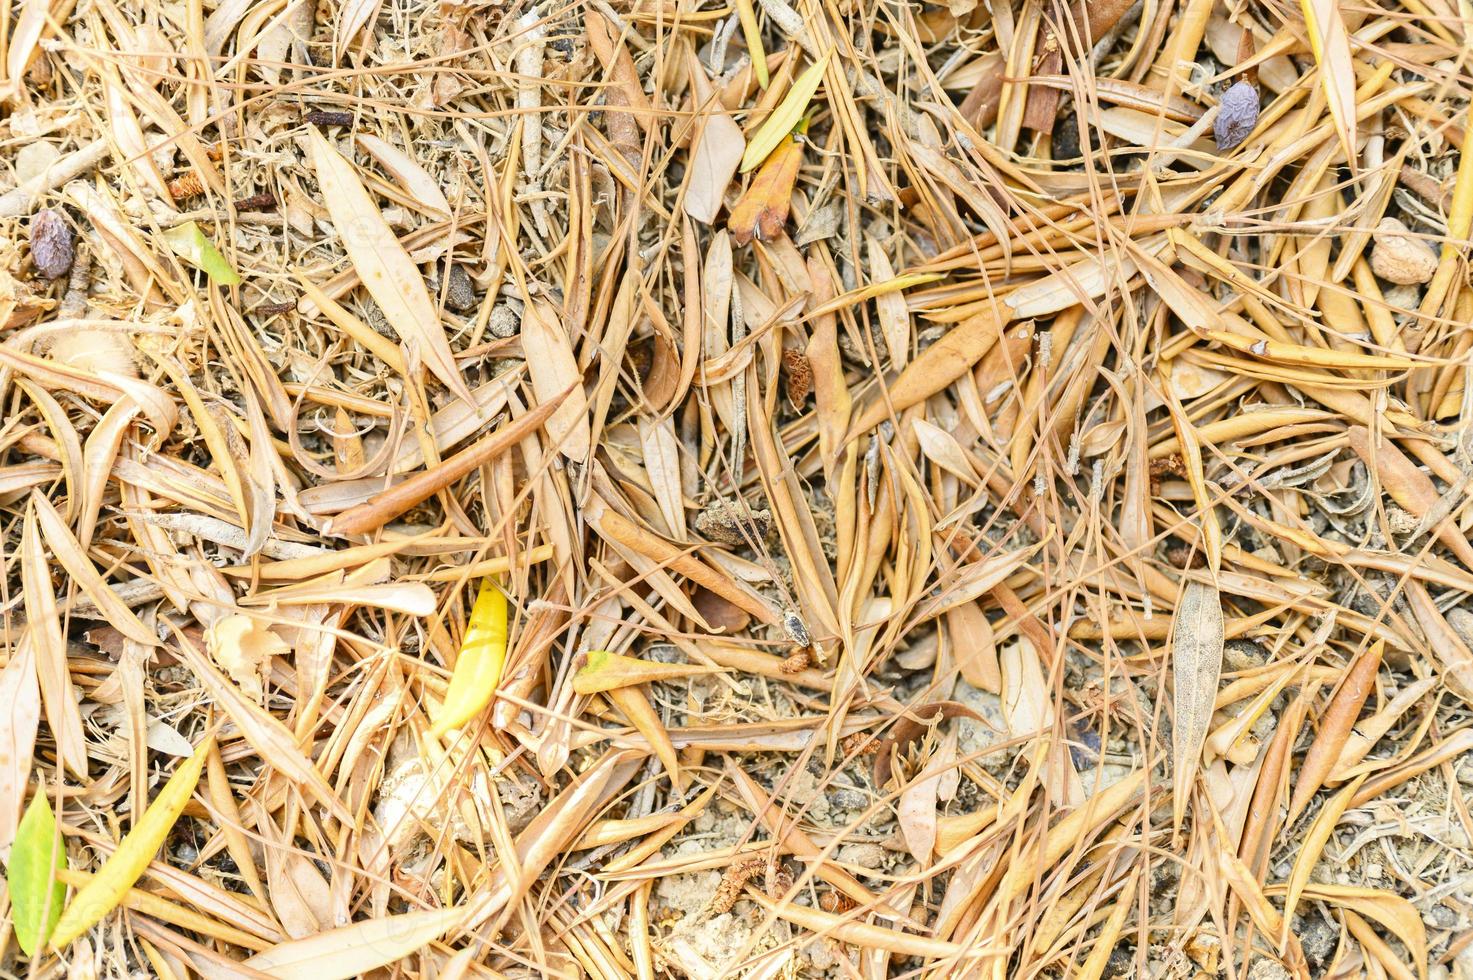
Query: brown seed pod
x=52, y=243
x=733, y=881
x=186, y=185
x=257, y=202
x=799, y=375
x=797, y=662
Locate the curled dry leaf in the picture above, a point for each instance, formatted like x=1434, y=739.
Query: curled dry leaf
x=243, y=647
x=762, y=211
x=1237, y=114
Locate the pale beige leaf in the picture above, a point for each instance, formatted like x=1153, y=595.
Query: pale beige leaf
x=244, y=647
x=352, y=18
x=383, y=265
x=662, y=463
x=67, y=552
x=356, y=949
x=1330, y=42
x=974, y=646
x=917, y=814
x=20, y=709
x=403, y=168
x=719, y=145
x=1196, y=664
x=554, y=370
x=49, y=646
x=976, y=578
x=889, y=307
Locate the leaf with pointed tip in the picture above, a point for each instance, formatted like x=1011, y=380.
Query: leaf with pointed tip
x=385, y=268
x=36, y=895
x=190, y=243
x=605, y=671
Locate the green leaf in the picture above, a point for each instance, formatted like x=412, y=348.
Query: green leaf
x=189, y=243
x=35, y=894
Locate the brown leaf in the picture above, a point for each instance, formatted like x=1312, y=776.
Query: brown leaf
x=763, y=209
x=1197, y=640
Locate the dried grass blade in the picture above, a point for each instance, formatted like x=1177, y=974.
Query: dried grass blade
x=43, y=626
x=632, y=702
x=388, y=505
x=66, y=550
x=272, y=740
x=1330, y=42
x=1310, y=849
x=850, y=930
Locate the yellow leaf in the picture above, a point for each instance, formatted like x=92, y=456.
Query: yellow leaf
x=106, y=889
x=785, y=116
x=478, y=669
x=605, y=671
x=753, y=33
x=869, y=291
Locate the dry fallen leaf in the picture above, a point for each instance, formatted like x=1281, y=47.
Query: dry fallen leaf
x=383, y=265
x=243, y=647
x=1197, y=639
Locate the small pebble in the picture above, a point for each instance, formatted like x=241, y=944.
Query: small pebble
x=1398, y=257
x=504, y=322
x=460, y=292
x=1237, y=114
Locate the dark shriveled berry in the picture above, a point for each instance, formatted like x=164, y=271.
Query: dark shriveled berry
x=1237, y=114
x=51, y=243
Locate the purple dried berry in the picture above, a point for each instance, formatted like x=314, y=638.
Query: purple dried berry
x=1237, y=114
x=51, y=243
